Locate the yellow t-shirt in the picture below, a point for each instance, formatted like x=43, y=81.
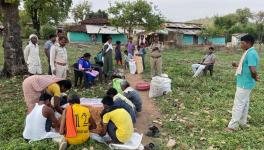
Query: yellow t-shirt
x=81, y=118
x=54, y=89
x=122, y=120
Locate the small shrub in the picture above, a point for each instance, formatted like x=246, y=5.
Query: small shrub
x=26, y=31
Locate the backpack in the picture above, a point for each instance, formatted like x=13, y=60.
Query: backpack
x=99, y=58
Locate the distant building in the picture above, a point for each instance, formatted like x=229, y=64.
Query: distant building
x=235, y=39
x=185, y=34
x=95, y=30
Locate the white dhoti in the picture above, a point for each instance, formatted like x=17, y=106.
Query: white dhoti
x=34, y=69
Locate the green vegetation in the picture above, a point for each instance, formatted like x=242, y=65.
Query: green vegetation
x=136, y=14
x=83, y=11
x=13, y=108
x=47, y=12
x=242, y=21
x=195, y=113
x=197, y=110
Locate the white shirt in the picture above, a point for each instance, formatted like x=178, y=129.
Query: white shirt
x=31, y=54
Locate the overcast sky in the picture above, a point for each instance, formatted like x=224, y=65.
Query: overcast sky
x=185, y=10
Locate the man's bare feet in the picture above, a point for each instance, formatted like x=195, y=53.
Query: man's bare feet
x=246, y=126
x=229, y=129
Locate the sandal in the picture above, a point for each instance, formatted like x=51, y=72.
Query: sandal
x=153, y=132
x=150, y=146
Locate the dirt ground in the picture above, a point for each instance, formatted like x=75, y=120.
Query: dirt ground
x=149, y=111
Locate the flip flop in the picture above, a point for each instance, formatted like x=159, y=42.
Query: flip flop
x=153, y=132
x=153, y=128
x=150, y=146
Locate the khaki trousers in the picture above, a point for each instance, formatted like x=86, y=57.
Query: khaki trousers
x=61, y=71
x=156, y=66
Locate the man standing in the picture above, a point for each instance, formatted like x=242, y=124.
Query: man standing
x=59, y=58
x=47, y=46
x=209, y=59
x=108, y=62
x=155, y=56
x=246, y=75
x=143, y=40
x=130, y=47
x=59, y=33
x=31, y=54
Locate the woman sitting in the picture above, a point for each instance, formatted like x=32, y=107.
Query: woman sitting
x=85, y=65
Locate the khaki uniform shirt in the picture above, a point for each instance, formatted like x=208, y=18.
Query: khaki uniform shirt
x=58, y=54
x=156, y=53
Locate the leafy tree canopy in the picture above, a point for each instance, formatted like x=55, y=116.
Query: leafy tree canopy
x=139, y=13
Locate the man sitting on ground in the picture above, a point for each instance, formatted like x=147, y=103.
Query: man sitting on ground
x=76, y=122
x=115, y=95
x=132, y=95
x=122, y=102
x=35, y=127
x=116, y=122
x=209, y=59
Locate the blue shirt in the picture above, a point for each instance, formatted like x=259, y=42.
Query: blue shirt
x=245, y=80
x=84, y=63
x=48, y=45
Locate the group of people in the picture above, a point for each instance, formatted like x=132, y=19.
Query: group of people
x=48, y=117
x=136, y=53
x=57, y=57
x=55, y=52
x=120, y=112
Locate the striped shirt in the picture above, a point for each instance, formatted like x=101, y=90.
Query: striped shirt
x=134, y=97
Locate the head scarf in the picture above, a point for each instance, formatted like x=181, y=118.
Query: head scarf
x=31, y=36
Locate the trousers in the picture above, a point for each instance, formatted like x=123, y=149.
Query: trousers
x=240, y=108
x=156, y=66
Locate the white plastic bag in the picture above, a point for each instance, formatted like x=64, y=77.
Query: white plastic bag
x=133, y=144
x=156, y=88
x=132, y=66
x=159, y=86
x=166, y=82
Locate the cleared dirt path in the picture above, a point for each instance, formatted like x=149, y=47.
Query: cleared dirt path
x=149, y=111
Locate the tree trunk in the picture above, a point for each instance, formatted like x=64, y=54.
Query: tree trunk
x=14, y=63
x=35, y=21
x=129, y=32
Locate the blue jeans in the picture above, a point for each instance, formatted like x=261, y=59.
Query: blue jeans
x=111, y=129
x=89, y=77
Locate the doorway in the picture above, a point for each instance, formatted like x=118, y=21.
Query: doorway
x=195, y=40
x=105, y=37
